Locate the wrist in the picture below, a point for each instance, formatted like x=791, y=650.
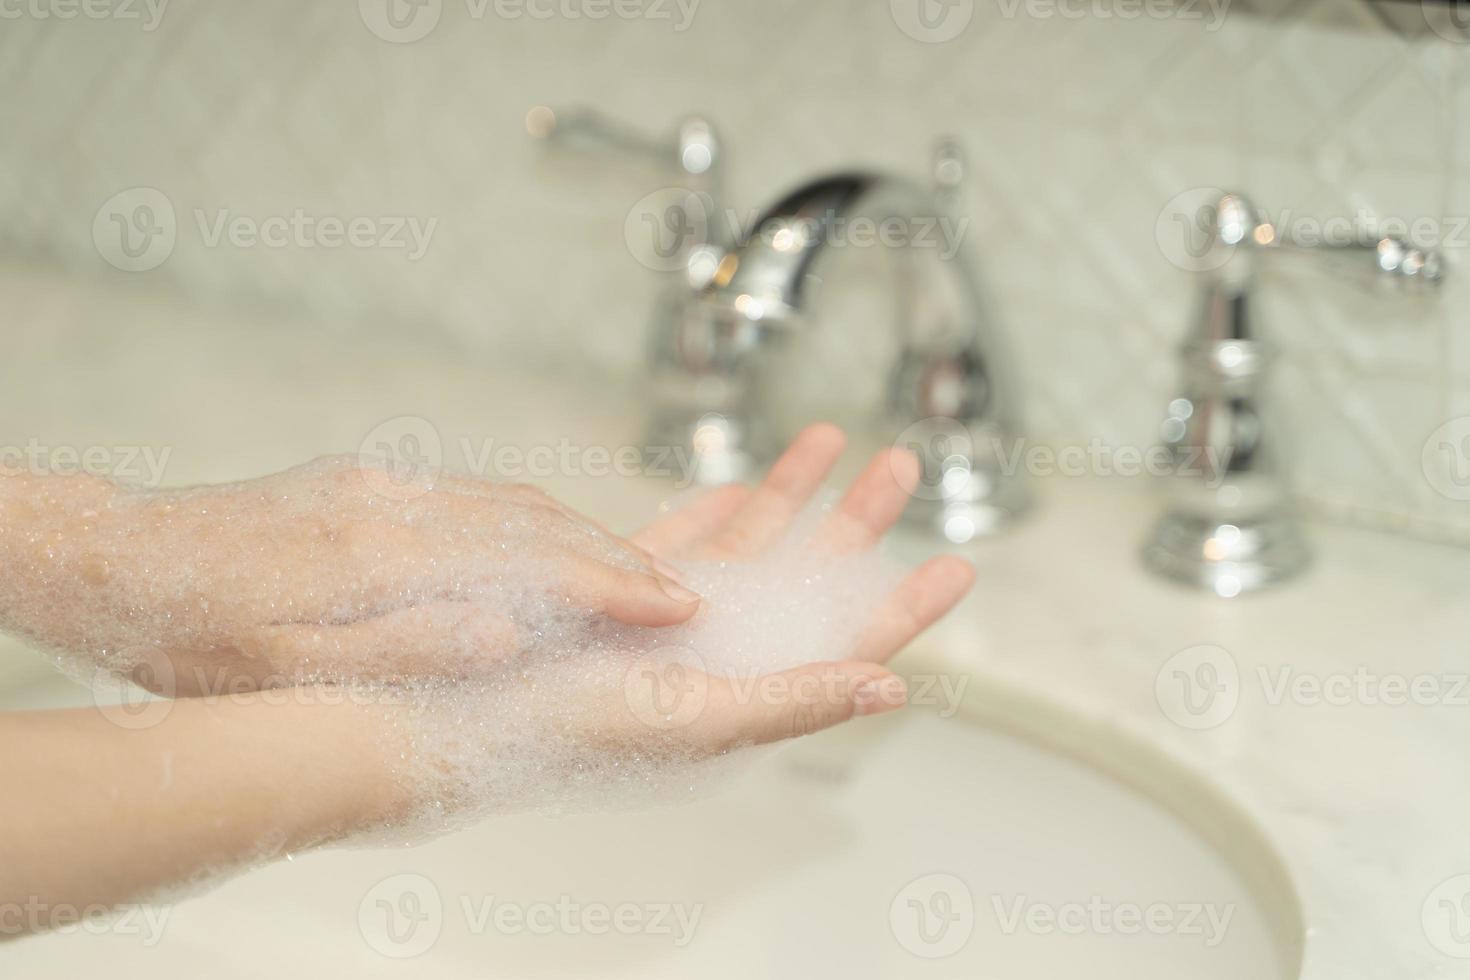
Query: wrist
x=325, y=761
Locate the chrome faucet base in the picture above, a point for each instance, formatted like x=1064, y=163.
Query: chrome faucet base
x=983, y=505
x=1228, y=559
x=966, y=489
x=704, y=448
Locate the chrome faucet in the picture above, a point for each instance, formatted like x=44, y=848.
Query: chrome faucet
x=1230, y=525
x=740, y=295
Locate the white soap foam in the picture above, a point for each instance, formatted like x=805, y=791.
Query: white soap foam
x=565, y=726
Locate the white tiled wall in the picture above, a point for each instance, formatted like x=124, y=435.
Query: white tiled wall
x=1080, y=130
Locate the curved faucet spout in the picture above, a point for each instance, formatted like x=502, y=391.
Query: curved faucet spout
x=731, y=295
x=948, y=392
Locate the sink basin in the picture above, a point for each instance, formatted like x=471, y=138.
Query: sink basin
x=909, y=845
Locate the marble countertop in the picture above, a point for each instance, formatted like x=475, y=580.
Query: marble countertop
x=1317, y=733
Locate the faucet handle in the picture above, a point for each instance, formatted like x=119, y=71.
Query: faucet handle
x=1356, y=249
x=692, y=147
x=1231, y=525
x=1389, y=258
x=692, y=210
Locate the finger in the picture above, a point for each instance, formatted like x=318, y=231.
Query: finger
x=632, y=597
x=689, y=524
x=441, y=638
x=929, y=592
x=793, y=703
x=872, y=504
x=783, y=493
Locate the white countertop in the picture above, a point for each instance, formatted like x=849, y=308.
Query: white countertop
x=1364, y=801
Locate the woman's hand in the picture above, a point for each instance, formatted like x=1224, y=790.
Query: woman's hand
x=736, y=523
x=310, y=766
x=332, y=570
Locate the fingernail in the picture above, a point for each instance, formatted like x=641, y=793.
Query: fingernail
x=668, y=578
x=676, y=591
x=877, y=696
